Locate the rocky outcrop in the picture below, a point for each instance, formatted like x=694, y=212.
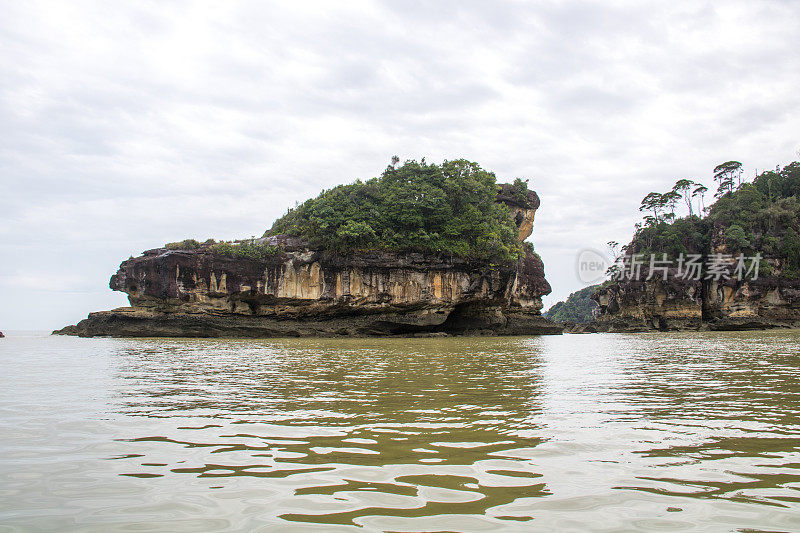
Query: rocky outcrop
x=633, y=306
x=523, y=210
x=677, y=304
x=732, y=290
x=303, y=291
x=764, y=303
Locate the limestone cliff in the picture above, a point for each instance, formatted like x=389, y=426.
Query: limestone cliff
x=306, y=291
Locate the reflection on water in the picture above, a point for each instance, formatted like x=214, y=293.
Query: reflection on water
x=384, y=411
x=600, y=432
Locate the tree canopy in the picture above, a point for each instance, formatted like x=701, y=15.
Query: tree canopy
x=762, y=216
x=578, y=307
x=449, y=208
x=724, y=173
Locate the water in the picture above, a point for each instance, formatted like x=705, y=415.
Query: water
x=649, y=432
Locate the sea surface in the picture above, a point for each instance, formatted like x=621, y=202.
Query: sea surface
x=604, y=432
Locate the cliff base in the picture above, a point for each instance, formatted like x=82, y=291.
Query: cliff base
x=131, y=322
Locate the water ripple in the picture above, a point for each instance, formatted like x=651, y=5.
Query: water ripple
x=604, y=432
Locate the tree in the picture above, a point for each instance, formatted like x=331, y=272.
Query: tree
x=700, y=192
x=653, y=202
x=651, y=221
x=519, y=191
x=683, y=187
x=613, y=247
x=724, y=173
x=671, y=199
x=356, y=234
x=737, y=238
x=790, y=251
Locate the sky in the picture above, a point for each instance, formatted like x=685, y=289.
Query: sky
x=126, y=125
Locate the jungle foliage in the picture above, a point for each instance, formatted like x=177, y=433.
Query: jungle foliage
x=762, y=216
x=578, y=307
x=449, y=209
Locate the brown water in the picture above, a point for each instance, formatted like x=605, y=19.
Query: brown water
x=650, y=432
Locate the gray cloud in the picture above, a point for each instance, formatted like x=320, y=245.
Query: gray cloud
x=128, y=125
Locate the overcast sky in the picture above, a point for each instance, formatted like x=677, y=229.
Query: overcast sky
x=127, y=126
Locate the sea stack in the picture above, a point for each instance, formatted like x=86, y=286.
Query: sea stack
x=301, y=289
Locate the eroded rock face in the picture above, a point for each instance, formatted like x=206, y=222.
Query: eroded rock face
x=756, y=304
x=523, y=211
x=303, y=291
x=771, y=301
x=767, y=302
x=650, y=305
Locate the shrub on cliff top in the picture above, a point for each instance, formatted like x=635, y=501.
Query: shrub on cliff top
x=449, y=208
x=519, y=191
x=244, y=250
x=251, y=249
x=186, y=244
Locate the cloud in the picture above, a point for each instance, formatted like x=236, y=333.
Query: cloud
x=128, y=125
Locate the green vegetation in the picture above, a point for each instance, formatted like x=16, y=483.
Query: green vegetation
x=724, y=174
x=688, y=235
x=186, y=244
x=449, y=209
x=253, y=250
x=519, y=191
x=577, y=308
x=530, y=249
x=684, y=189
x=250, y=249
x=762, y=216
